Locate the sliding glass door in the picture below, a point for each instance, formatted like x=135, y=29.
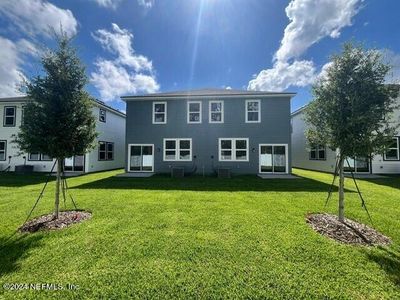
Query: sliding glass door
x=273, y=158
x=75, y=163
x=357, y=165
x=141, y=158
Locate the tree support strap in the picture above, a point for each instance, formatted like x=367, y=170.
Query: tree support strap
x=36, y=202
x=363, y=204
x=65, y=190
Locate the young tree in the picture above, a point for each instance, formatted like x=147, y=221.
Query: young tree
x=58, y=120
x=352, y=107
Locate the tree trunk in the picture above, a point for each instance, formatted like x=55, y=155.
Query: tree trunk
x=341, y=188
x=58, y=181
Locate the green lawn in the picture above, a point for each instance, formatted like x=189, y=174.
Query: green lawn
x=199, y=238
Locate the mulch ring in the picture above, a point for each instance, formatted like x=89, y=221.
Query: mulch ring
x=349, y=232
x=47, y=222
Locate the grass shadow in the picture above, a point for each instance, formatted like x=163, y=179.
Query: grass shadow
x=199, y=183
x=389, y=261
x=20, y=180
x=392, y=181
x=15, y=249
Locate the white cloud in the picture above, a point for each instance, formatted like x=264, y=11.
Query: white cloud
x=108, y=3
x=282, y=75
x=119, y=42
x=114, y=3
x=128, y=72
x=37, y=17
x=310, y=21
x=146, y=3
x=323, y=74
x=11, y=61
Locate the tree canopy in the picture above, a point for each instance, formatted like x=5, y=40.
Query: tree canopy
x=58, y=120
x=352, y=106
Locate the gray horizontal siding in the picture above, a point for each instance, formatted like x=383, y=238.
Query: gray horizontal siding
x=273, y=129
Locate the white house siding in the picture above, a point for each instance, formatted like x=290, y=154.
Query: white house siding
x=6, y=133
x=300, y=151
x=111, y=131
x=380, y=166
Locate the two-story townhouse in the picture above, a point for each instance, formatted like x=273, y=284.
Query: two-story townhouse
x=201, y=131
x=108, y=154
x=321, y=158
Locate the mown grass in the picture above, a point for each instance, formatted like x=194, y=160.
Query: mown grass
x=199, y=238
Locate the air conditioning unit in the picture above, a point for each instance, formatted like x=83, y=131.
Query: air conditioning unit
x=224, y=173
x=177, y=172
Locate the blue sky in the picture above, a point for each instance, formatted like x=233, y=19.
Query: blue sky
x=141, y=46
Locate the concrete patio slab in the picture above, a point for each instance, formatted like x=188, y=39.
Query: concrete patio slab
x=136, y=175
x=278, y=176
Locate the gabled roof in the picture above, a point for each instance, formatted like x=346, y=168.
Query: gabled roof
x=228, y=93
x=95, y=101
x=101, y=103
x=299, y=110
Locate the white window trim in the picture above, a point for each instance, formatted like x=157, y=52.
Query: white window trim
x=14, y=116
x=165, y=113
x=177, y=149
x=222, y=111
x=233, y=149
x=286, y=161
x=5, y=149
x=398, y=151
x=259, y=111
x=105, y=115
x=188, y=112
x=129, y=158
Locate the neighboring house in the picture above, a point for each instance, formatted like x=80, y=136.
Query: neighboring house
x=203, y=131
x=321, y=158
x=108, y=154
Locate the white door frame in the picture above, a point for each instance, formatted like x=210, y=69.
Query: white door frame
x=355, y=167
x=73, y=164
x=129, y=156
x=286, y=154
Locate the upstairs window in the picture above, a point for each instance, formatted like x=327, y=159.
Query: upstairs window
x=159, y=112
x=318, y=152
x=22, y=114
x=102, y=115
x=253, y=108
x=392, y=153
x=194, y=112
x=177, y=149
x=216, y=112
x=3, y=150
x=106, y=151
x=233, y=149
x=9, y=116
